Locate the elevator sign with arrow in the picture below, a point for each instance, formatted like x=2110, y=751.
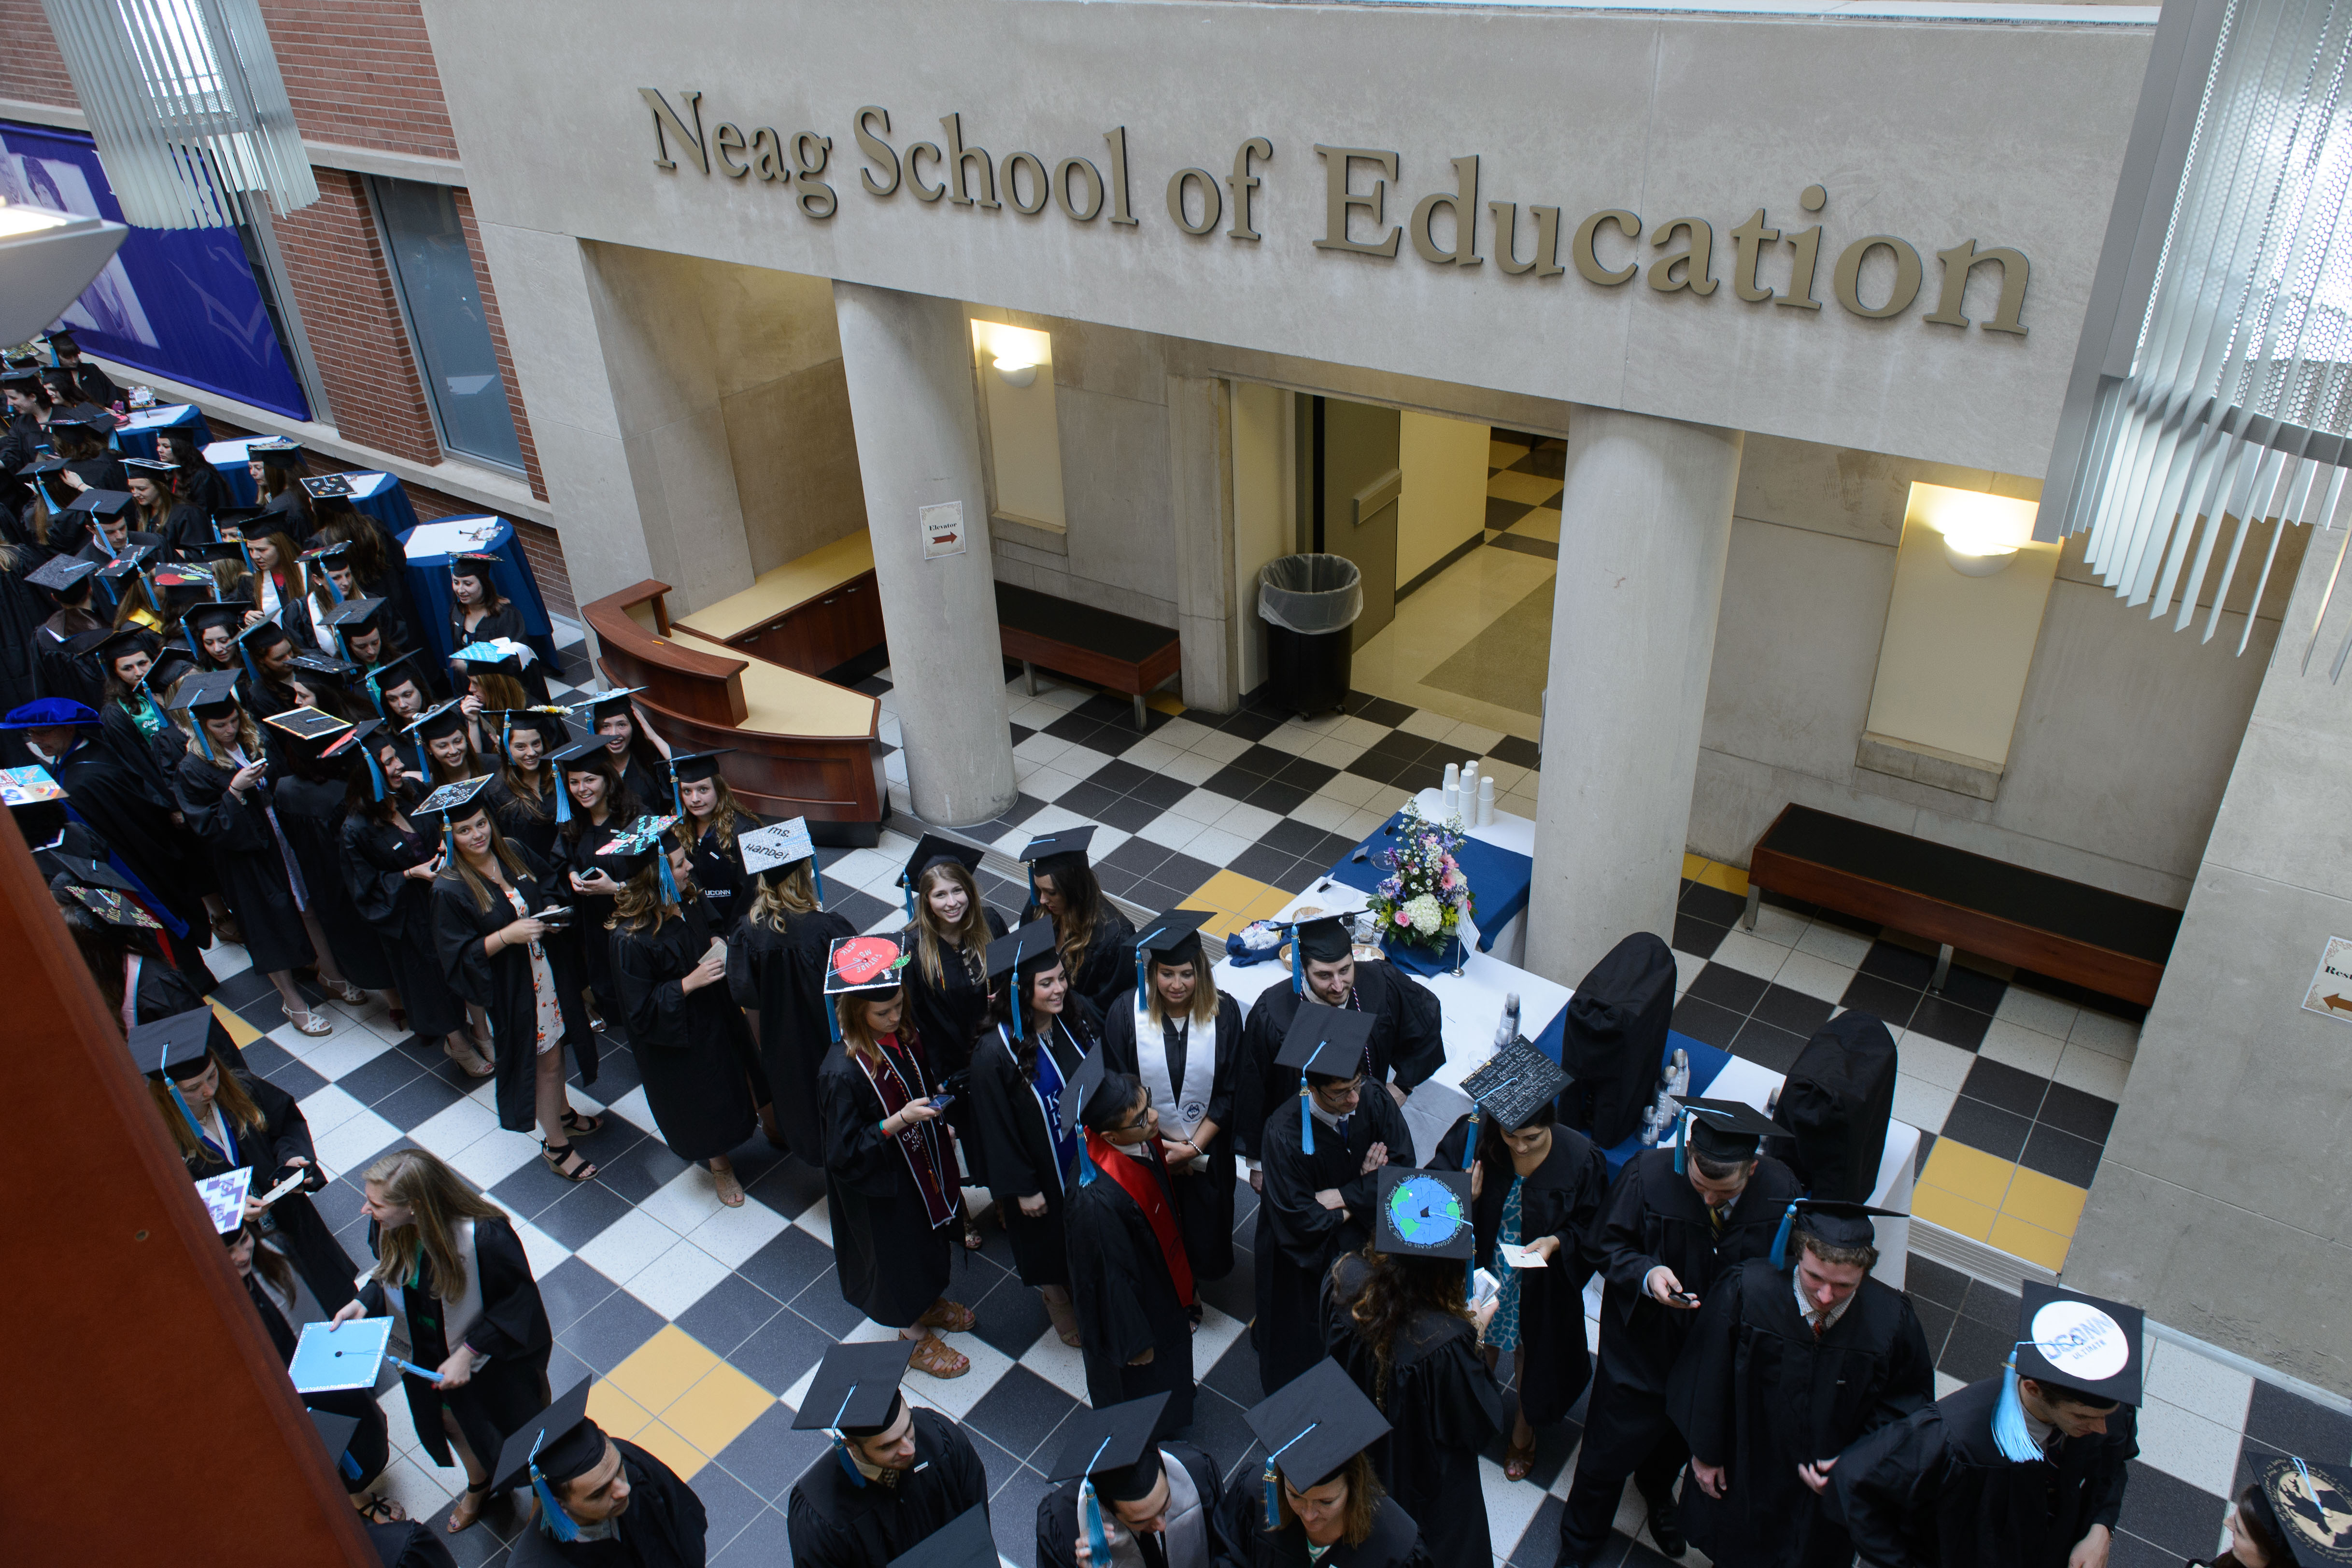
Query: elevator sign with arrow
x=2331, y=988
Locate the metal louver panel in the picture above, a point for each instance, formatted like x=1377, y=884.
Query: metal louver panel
x=185, y=103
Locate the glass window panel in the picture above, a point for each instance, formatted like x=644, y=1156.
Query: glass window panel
x=435, y=270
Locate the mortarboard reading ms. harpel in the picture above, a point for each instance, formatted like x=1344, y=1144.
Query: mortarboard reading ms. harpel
x=775, y=970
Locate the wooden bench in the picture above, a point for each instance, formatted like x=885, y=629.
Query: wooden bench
x=1117, y=653
x=2067, y=930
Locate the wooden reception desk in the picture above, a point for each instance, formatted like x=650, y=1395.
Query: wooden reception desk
x=801, y=747
x=809, y=614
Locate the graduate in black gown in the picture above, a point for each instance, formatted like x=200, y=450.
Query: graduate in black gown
x=604, y=1502
x=1536, y=1185
x=118, y=942
x=491, y=905
x=142, y=838
x=895, y=1475
x=1406, y=1044
x=1396, y=1317
x=130, y=719
x=1323, y=1149
x=775, y=972
x=948, y=932
x=58, y=670
x=523, y=786
x=1793, y=1357
x=1040, y=1031
x=223, y=1119
x=595, y=806
x=2026, y=1469
x=638, y=755
x=710, y=820
x=1132, y=1285
x=703, y=1078
x=1095, y=939
x=308, y=795
x=892, y=1197
x=480, y=613
x=1320, y=1428
x=1183, y=1039
x=449, y=1266
x=1676, y=1220
x=1159, y=1502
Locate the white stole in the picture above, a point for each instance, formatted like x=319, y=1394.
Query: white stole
x=1182, y=1107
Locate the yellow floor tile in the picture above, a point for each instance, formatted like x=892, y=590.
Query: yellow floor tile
x=2045, y=1201
x=1693, y=865
x=1227, y=891
x=1967, y=1173
x=1166, y=702
x=1729, y=878
x=671, y=1449
x=619, y=1415
x=242, y=1032
x=714, y=1412
x=1528, y=489
x=1223, y=924
x=1267, y=904
x=664, y=1367
x=1953, y=1212
x=2030, y=1242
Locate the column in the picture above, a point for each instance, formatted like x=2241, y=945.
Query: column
x=1646, y=521
x=909, y=361
x=1201, y=484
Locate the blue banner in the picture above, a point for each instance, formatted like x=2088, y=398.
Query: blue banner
x=180, y=303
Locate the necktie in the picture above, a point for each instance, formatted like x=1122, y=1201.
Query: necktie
x=1343, y=1127
x=1821, y=1322
x=1155, y=1551
x=1715, y=1219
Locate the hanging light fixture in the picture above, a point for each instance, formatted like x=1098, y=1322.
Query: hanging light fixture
x=186, y=106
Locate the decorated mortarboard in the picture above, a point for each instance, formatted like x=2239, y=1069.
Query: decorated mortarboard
x=60, y=572
x=437, y=722
x=1835, y=1224
x=332, y=1356
x=101, y=503
x=477, y=561
x=134, y=557
x=351, y=739
x=1311, y=1427
x=2081, y=1342
x=963, y=1542
x=448, y=802
x=326, y=666
x=1515, y=1083
x=857, y=964
x=202, y=689
x=550, y=1448
x=224, y=1198
x=28, y=786
x=177, y=1046
x=1424, y=1214
x=183, y=574
x=326, y=486
x=49, y=712
x=113, y=908
x=2310, y=1505
x=494, y=654
x=273, y=449
x=150, y=466
x=776, y=847
x=348, y=614
x=1722, y=1130
x=309, y=723
x=643, y=843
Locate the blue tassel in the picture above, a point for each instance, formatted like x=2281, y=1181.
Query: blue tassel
x=676, y=802
x=848, y=1466
x=246, y=654
x=906, y=891
x=1297, y=967
x=1682, y=1123
x=2010, y=1433
x=349, y=1466
x=562, y=798
x=376, y=772
x=1142, y=959
x=505, y=737
x=1015, y=981
x=668, y=883
x=1306, y=1119
x=1090, y=1510
x=833, y=1021
x=333, y=593
x=202, y=745
x=1470, y=1139
x=816, y=875
x=188, y=636
x=551, y=1517
x=1273, y=1514
x=1780, y=1237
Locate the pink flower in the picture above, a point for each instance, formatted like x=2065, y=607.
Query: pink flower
x=1402, y=919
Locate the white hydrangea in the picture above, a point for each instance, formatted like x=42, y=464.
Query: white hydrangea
x=1425, y=914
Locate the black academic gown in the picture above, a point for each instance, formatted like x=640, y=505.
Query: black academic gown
x=399, y=909
x=1018, y=1151
x=1757, y=1393
x=21, y=609
x=1298, y=1237
x=62, y=674
x=1126, y=1299
x=833, y=1523
x=1406, y=1044
x=718, y=870
x=576, y=854
x=1395, y=1541
x=663, y=1527
x=164, y=992
x=369, y=1448
x=311, y=813
x=155, y=850
x=1932, y=1489
x=1559, y=1199
x=500, y=983
x=1194, y=1536
x=892, y=1262
x=521, y=819
x=1204, y=1198
x=692, y=1047
x=1108, y=970
x=512, y=1331
x=780, y=975
x=953, y=1016
x=1443, y=1406
x=292, y=1220
x=247, y=859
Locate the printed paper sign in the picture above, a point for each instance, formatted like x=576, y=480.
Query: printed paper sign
x=224, y=1196
x=942, y=527
x=2331, y=986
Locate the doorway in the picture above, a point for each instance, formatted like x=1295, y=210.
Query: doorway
x=1353, y=479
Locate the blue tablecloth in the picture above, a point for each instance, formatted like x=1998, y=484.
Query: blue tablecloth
x=1500, y=879
x=140, y=441
x=428, y=581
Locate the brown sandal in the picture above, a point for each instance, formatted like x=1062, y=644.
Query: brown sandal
x=730, y=1187
x=468, y=1506
x=472, y=1063
x=1517, y=1461
x=933, y=1356
x=952, y=1316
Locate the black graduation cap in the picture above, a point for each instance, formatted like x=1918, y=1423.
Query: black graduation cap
x=1175, y=937
x=1066, y=848
x=1115, y=1446
x=335, y=552
x=1425, y=1213
x=219, y=550
x=438, y=723
x=334, y=1431
x=692, y=767
x=150, y=466
x=2081, y=1342
x=351, y=611
x=934, y=847
x=275, y=450
x=1514, y=1084
x=133, y=556
x=559, y=1435
x=857, y=963
x=1081, y=1089
x=129, y=639
x=1326, y=1042
x=393, y=672
x=346, y=743
x=89, y=641
x=179, y=1044
x=1032, y=946
x=547, y=721
x=1723, y=1130
x=202, y=689
x=95, y=873
x=309, y=724
x=962, y=1542
x=265, y=630
x=19, y=376
x=854, y=1386
x=228, y=612
x=101, y=503
x=580, y=756
x=83, y=416
x=325, y=665
x=1316, y=1423
x=1836, y=1224
x=1324, y=939
x=237, y=517
x=60, y=572
x=450, y=802
x=602, y=705
x=111, y=907
x=326, y=486
x=2311, y=1511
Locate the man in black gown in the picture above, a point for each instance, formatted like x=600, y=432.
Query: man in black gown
x=603, y=1502
x=1159, y=1502
x=1317, y=1503
x=1323, y=1148
x=1792, y=1358
x=1130, y=1279
x=1403, y=1046
x=895, y=1475
x=1676, y=1220
x=2026, y=1469
x=152, y=847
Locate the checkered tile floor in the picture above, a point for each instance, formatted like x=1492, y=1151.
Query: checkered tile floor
x=704, y=1323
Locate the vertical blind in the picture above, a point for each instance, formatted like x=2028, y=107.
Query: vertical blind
x=2235, y=420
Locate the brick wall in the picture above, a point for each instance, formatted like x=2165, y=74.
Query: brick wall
x=498, y=327
x=30, y=67
x=360, y=72
x=335, y=265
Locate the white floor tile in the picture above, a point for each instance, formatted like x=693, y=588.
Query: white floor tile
x=1359, y=731
x=1220, y=745
x=400, y=1426
x=348, y=1149
x=1364, y=823
x=1250, y=822
x=1752, y=955
x=1352, y=790
x=733, y=1234
x=2036, y=1010
x=1687, y=968
x=1922, y=1103
x=2187, y=1446
x=1784, y=926
x=623, y=1248
x=1063, y=1366
x=2094, y=1072
x=636, y=1110
x=817, y=1220
x=1945, y=1066
x=328, y=1109
x=1046, y=782
x=957, y=1396
x=1193, y=768
x=1294, y=737
x=1152, y=753
x=2179, y=1375
x=1170, y=830
x=1946, y=1384
x=545, y=1252
x=1510, y=1505
x=488, y=1161
x=1835, y=943
x=1029, y=713
x=1814, y=976
x=1428, y=724
x=2014, y=1045
x=419, y=1485
x=677, y=1279
x=449, y=1131
x=1182, y=734
x=1508, y=776
x=1323, y=812
x=1081, y=761
x=1217, y=1336
x=1333, y=752
x=2104, y=1031
x=686, y=1200
x=1217, y=846
x=351, y=1047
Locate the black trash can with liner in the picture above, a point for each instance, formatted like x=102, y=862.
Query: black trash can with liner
x=1309, y=604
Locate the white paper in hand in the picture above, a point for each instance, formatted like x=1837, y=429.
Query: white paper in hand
x=340, y=1357
x=223, y=1196
x=1520, y=1257
x=293, y=1180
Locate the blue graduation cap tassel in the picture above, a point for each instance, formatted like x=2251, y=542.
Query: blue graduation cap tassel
x=833, y=1020
x=906, y=891
x=331, y=588
x=1268, y=1481
x=840, y=1444
x=203, y=744
x=562, y=798
x=551, y=1517
x=1090, y=1511
x=1298, y=971
x=1014, y=981
x=816, y=875
x=676, y=802
x=2010, y=1433
x=376, y=771
x=1681, y=1124
x=506, y=735
x=246, y=654
x=1306, y=1119
x=668, y=883
x=1470, y=1138
x=1780, y=1236
x=424, y=760
x=349, y=1466
x=1142, y=959
x=188, y=636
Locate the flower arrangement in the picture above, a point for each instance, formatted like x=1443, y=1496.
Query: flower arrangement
x=1422, y=900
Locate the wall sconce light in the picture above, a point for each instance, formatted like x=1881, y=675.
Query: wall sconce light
x=1982, y=532
x=1015, y=371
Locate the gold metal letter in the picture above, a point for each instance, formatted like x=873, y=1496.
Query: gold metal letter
x=1213, y=200
x=768, y=154
x=1338, y=199
x=1463, y=200
x=957, y=156
x=915, y=176
x=725, y=139
x=1121, y=210
x=1588, y=260
x=1800, y=271
x=1845, y=282
x=1748, y=242
x=812, y=153
x=876, y=150
x=1964, y=259
x=1242, y=183
x=1079, y=169
x=1040, y=182
x=1545, y=263
x=666, y=119
x=1695, y=262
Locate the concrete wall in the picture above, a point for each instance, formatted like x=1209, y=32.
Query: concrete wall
x=1265, y=504
x=1445, y=502
x=2221, y=1207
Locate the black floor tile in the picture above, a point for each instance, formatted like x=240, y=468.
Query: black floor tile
x=569, y=1292
x=1539, y=1546
x=1086, y=800
x=755, y=1547
x=1127, y=814
x=1073, y=727
x=728, y=1506
x=1294, y=838
x=2069, y=1110
x=768, y=1455
x=1414, y=777
x=2171, y=1513
x=1265, y=761
x=1219, y=1429
x=1019, y=732
x=1380, y=769
x=1011, y=1316
x=1936, y=1320
x=1891, y=1004
x=1501, y=513
x=1981, y=1126
x=2128, y=1550
x=1233, y=783
x=1900, y=965
x=730, y=1313
x=1156, y=896
x=1268, y=865
x=860, y=909
x=1161, y=791
x=296, y=1079
x=1119, y=776
x=1973, y=990
x=821, y=1302
x=1699, y=937
x=264, y=1056
x=1253, y=724
x=609, y=1330
x=790, y=1187
x=372, y=1081
x=1236, y=1375
x=1138, y=857
x=1793, y=1011
x=1116, y=882
x=1997, y=1084
x=1991, y=1304
x=1305, y=773
x=1768, y=1047
x=1796, y=906
x=1378, y=710
x=779, y=1351
x=1728, y=988
x=2061, y=1155
x=1015, y=1501
x=338, y=1202
x=418, y=1101
x=1975, y=1350
x=1940, y=1017
x=617, y=1069
x=1517, y=750
x=2293, y=1424
x=637, y=1172
x=1183, y=871
x=1708, y=1023
x=1280, y=796
x=1020, y=1412
x=1713, y=904
x=242, y=991
x=1928, y=1280
x=787, y=1265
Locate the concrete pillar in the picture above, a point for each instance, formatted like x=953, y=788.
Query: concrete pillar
x=1201, y=486
x=1646, y=521
x=909, y=361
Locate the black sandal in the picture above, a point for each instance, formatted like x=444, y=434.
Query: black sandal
x=581, y=1126
x=380, y=1510
x=565, y=1161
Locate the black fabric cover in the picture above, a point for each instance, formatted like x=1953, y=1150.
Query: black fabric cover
x=1616, y=1038
x=1836, y=1103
